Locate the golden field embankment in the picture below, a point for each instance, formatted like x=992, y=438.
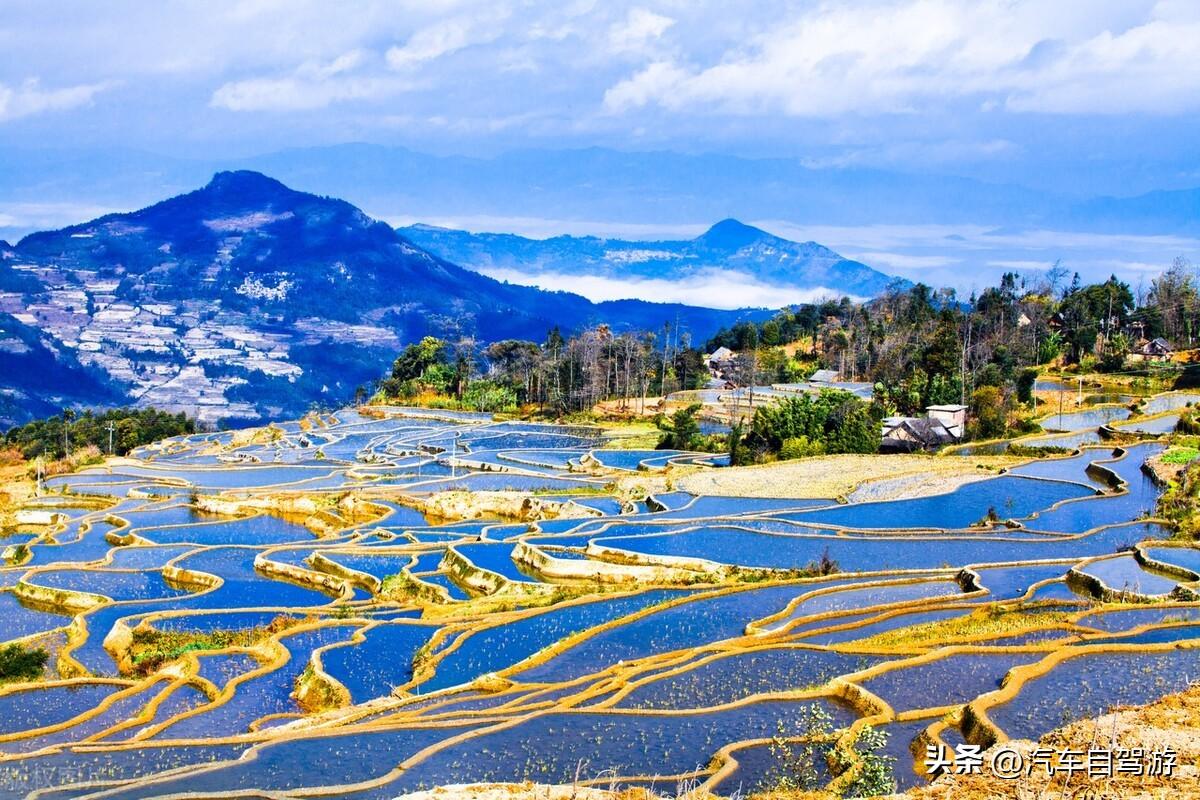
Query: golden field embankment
x=888, y=477
x=1170, y=722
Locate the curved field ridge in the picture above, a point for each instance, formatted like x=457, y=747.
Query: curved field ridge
x=268, y=614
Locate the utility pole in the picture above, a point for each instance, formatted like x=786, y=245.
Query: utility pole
x=111, y=427
x=753, y=372
x=1079, y=400
x=67, y=416
x=1108, y=319
x=40, y=474
x=963, y=368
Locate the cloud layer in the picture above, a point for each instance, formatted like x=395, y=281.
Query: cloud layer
x=714, y=289
x=1073, y=97
x=903, y=57
x=30, y=98
x=826, y=59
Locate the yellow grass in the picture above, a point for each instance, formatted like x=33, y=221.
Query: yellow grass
x=980, y=623
x=1169, y=722
x=15, y=488
x=831, y=476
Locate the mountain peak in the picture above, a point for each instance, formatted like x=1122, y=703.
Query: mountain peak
x=730, y=234
x=244, y=183
x=325, y=297
x=800, y=270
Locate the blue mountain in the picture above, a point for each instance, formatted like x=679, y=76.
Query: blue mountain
x=39, y=376
x=727, y=247
x=246, y=298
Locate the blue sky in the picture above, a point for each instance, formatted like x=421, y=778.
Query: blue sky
x=1077, y=98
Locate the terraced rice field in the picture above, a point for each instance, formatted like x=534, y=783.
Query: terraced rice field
x=638, y=642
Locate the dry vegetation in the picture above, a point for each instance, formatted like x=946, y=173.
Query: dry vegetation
x=525, y=791
x=989, y=621
x=15, y=486
x=1171, y=721
x=832, y=476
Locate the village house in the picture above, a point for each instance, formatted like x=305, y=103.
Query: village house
x=721, y=365
x=1155, y=350
x=720, y=359
x=941, y=425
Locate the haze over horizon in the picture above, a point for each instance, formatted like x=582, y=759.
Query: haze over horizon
x=939, y=140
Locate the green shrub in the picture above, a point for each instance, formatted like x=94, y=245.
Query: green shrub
x=1180, y=503
x=1180, y=455
x=682, y=431
x=1188, y=423
x=800, y=447
x=152, y=648
x=1036, y=451
x=131, y=428
x=1025, y=382
x=20, y=663
x=835, y=420
x=989, y=412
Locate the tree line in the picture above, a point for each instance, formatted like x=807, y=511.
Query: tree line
x=922, y=347
x=918, y=346
x=115, y=431
x=561, y=375
x=826, y=422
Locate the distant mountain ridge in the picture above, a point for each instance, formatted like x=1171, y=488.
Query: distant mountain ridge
x=729, y=247
x=603, y=184
x=247, y=299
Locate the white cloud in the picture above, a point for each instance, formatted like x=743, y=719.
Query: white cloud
x=654, y=83
x=312, y=85
x=1120, y=266
x=344, y=63
x=905, y=261
x=1020, y=264
x=972, y=237
x=713, y=289
x=360, y=73
x=808, y=79
x=970, y=257
x=639, y=27
x=30, y=98
x=898, y=57
x=443, y=38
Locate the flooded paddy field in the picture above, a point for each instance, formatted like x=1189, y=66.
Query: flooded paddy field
x=281, y=617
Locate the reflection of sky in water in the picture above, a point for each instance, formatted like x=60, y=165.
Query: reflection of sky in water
x=773, y=533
